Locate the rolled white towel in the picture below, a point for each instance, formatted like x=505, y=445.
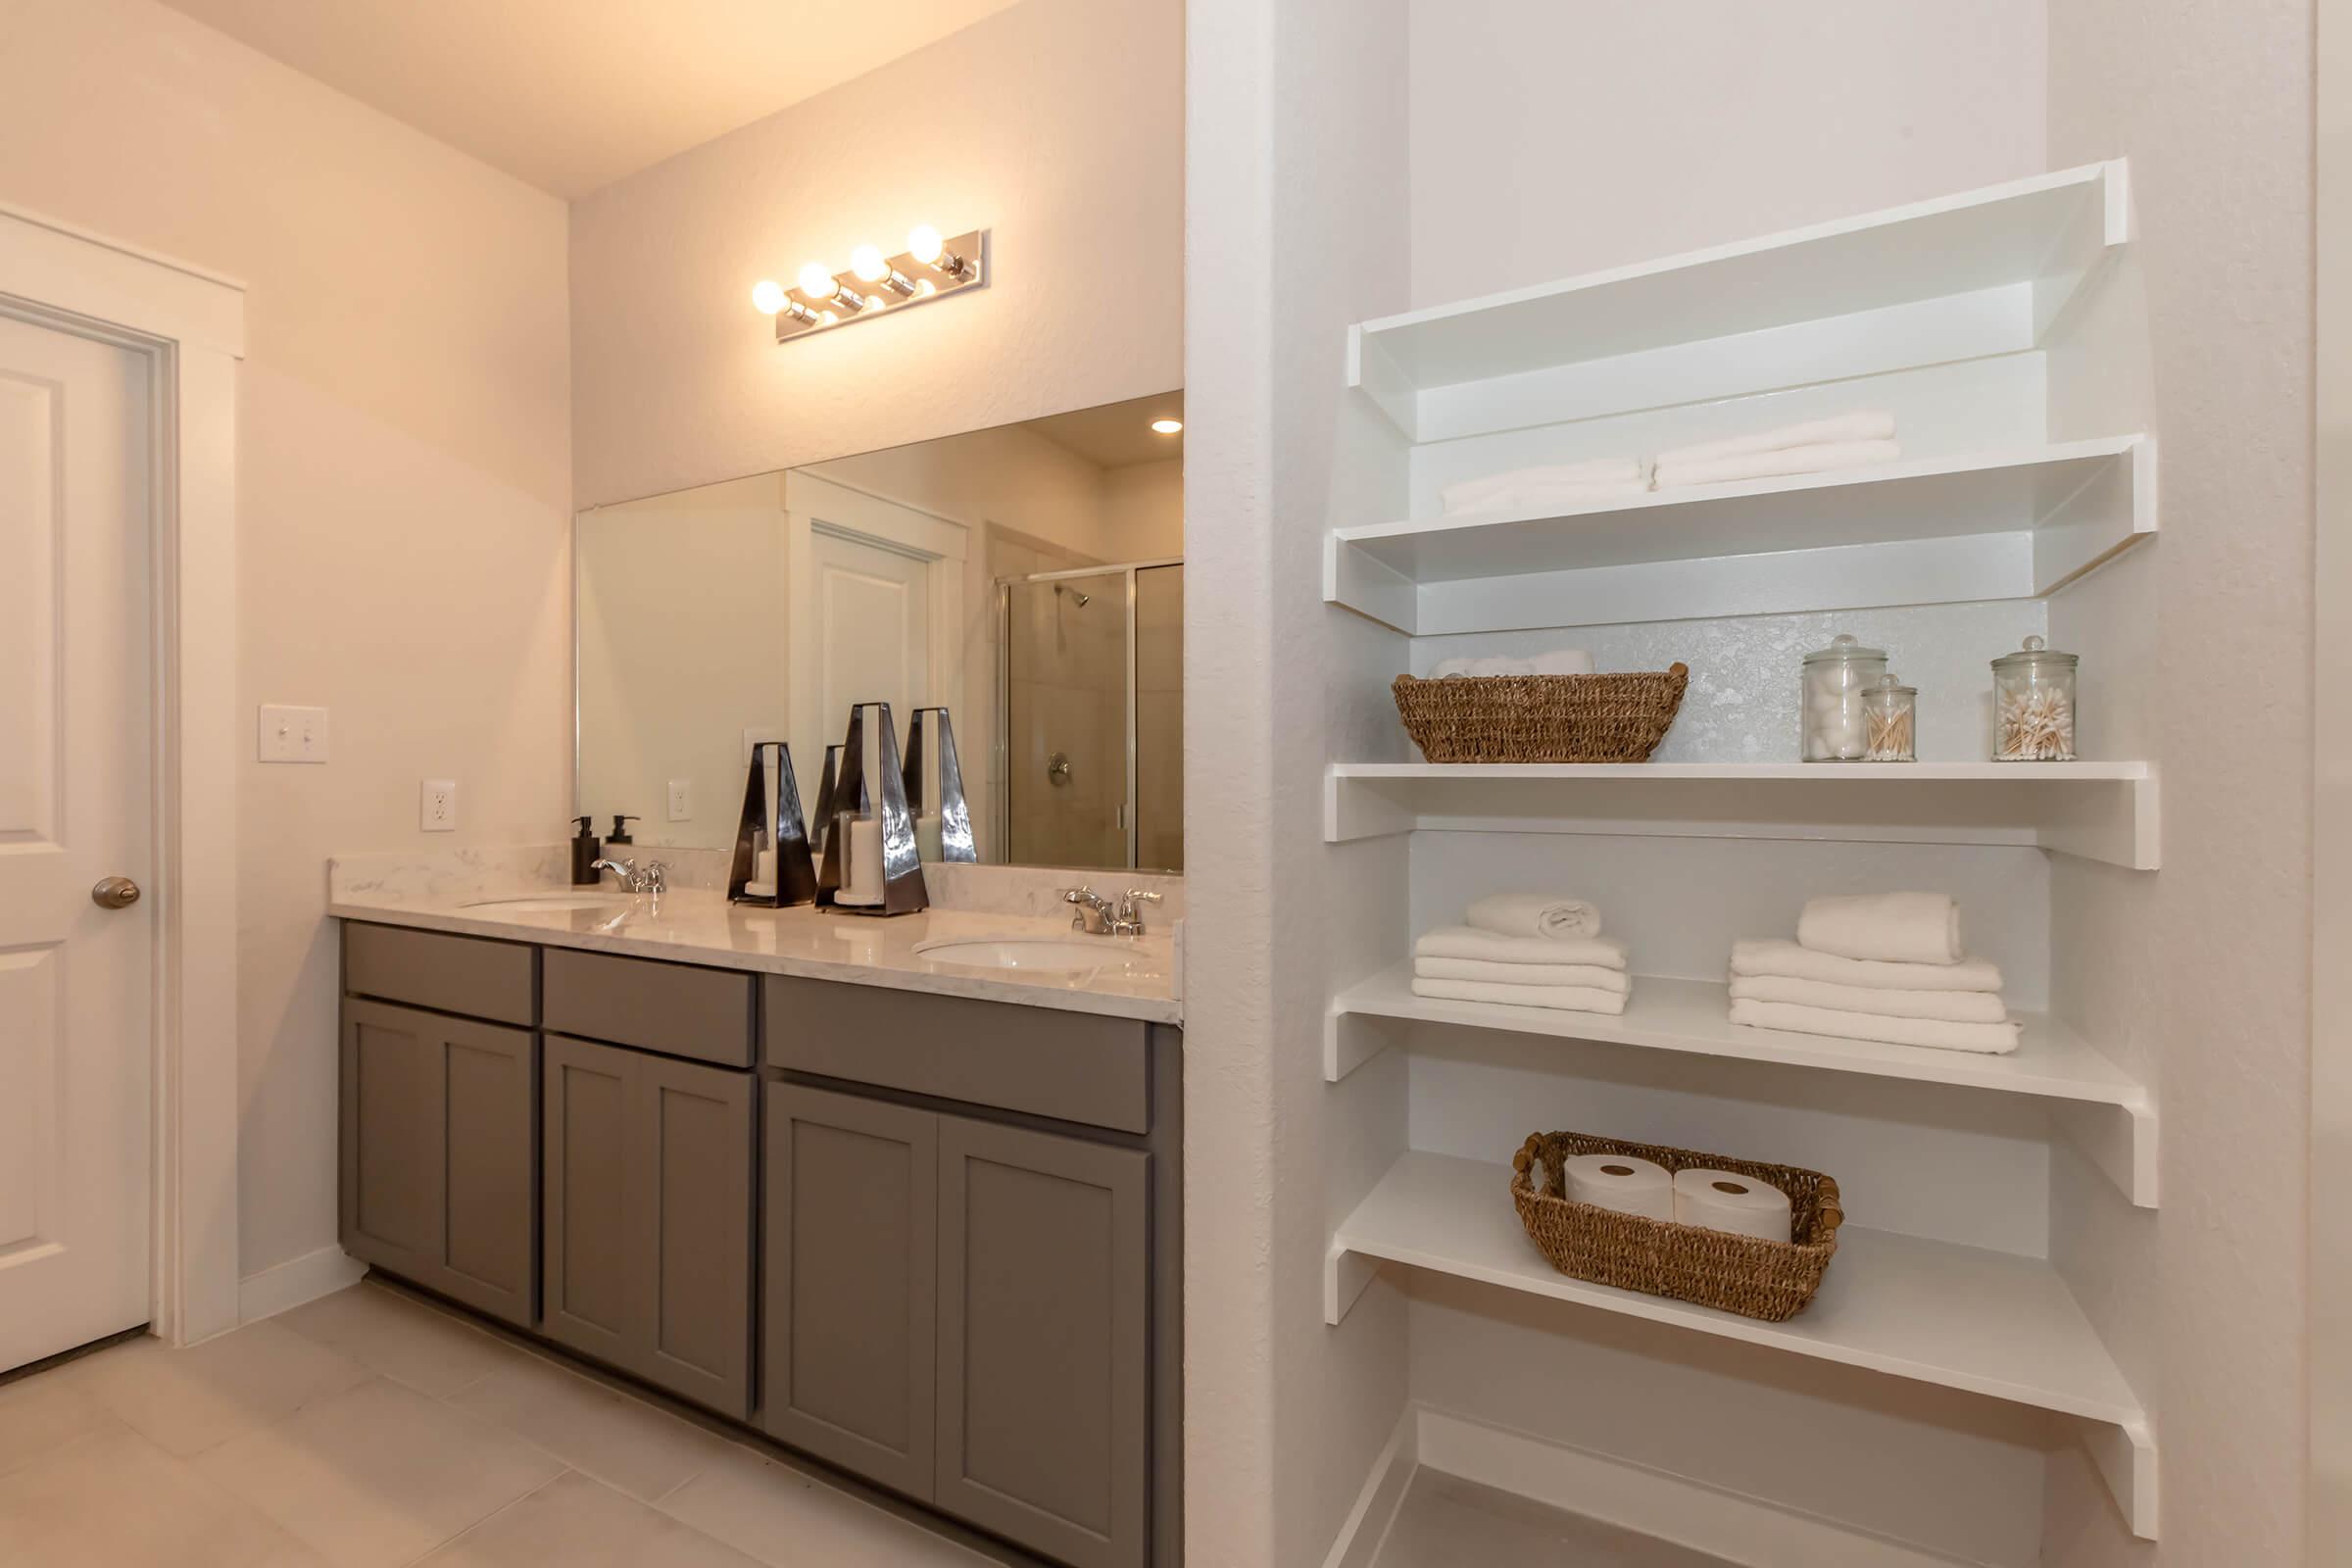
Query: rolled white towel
x=1592, y=976
x=1937, y=1034
x=1562, y=662
x=1533, y=915
x=1952, y=1006
x=1560, y=998
x=1778, y=463
x=1761, y=955
x=1883, y=928
x=1468, y=495
x=1464, y=942
x=1862, y=424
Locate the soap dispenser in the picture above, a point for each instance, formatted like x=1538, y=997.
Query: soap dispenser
x=621, y=830
x=585, y=853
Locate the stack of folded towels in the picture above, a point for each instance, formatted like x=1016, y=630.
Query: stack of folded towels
x=1884, y=966
x=1558, y=487
x=1816, y=446
x=1525, y=949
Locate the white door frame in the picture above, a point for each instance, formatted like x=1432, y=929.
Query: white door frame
x=190, y=327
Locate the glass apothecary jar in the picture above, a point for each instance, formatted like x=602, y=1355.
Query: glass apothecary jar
x=2034, y=705
x=1832, y=722
x=1889, y=721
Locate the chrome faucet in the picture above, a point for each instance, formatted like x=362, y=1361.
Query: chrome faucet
x=652, y=877
x=1097, y=916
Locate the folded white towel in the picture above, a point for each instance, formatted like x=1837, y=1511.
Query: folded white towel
x=1884, y=927
x=1777, y=464
x=1554, y=495
x=1560, y=998
x=1760, y=955
x=1463, y=942
x=1533, y=915
x=1470, y=495
x=1560, y=661
x=1985, y=1039
x=1524, y=975
x=1952, y=1006
x=1862, y=424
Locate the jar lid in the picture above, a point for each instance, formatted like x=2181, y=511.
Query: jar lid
x=1842, y=650
x=2036, y=652
x=1891, y=685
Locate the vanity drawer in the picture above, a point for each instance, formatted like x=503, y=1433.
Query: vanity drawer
x=675, y=1008
x=472, y=975
x=1073, y=1066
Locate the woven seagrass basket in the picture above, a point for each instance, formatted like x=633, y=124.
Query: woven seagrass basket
x=1541, y=718
x=1742, y=1274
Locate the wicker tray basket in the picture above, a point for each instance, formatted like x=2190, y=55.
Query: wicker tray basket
x=1742, y=1274
x=1541, y=718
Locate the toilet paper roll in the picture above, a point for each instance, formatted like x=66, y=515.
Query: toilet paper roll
x=1621, y=1183
x=1725, y=1201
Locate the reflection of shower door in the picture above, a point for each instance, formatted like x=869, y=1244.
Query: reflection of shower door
x=1080, y=732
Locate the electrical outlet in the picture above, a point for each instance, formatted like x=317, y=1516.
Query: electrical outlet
x=292, y=734
x=437, y=805
x=681, y=800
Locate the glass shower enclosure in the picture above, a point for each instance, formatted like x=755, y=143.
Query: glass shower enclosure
x=1090, y=690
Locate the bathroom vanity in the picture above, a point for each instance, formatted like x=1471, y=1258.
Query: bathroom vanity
x=915, y=1219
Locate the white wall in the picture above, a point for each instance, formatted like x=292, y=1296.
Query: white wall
x=404, y=473
x=1055, y=123
x=1556, y=140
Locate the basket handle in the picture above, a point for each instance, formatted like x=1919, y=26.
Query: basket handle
x=1832, y=1216
x=1530, y=1153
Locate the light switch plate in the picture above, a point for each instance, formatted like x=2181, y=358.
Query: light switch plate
x=292, y=734
x=681, y=800
x=437, y=805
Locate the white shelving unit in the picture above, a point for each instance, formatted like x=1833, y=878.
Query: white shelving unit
x=2105, y=1109
x=1962, y=1317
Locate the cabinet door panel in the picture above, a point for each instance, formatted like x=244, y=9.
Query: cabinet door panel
x=852, y=1283
x=391, y=1152
x=1043, y=1243
x=585, y=1174
x=689, y=1242
x=489, y=1130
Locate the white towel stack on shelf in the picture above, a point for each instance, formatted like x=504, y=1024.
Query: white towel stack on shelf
x=1525, y=949
x=1884, y=966
x=1560, y=486
x=1816, y=446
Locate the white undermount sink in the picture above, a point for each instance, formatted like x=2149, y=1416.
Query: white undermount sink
x=550, y=903
x=1058, y=955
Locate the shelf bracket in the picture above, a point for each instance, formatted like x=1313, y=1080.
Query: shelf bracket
x=1347, y=1275
x=2125, y=1453
x=1352, y=1038
x=2120, y=1138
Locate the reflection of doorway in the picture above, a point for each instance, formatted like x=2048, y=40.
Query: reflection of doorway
x=1092, y=703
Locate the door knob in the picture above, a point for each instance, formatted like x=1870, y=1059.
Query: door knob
x=115, y=893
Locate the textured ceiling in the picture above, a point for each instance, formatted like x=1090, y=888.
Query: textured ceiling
x=573, y=94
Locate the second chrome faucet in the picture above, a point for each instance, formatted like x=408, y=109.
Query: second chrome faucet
x=1099, y=916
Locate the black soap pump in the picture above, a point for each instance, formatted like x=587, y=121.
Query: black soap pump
x=585, y=853
x=620, y=829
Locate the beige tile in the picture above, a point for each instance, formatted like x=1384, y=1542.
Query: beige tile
x=575, y=1521
x=41, y=1413
x=376, y=1476
x=620, y=1441
x=112, y=1500
x=791, y=1520
x=404, y=1339
x=185, y=1401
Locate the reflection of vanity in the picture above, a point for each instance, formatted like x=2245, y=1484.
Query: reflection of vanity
x=918, y=1219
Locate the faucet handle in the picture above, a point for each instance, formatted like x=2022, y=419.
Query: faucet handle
x=1129, y=917
x=656, y=876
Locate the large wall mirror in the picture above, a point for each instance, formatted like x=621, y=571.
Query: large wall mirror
x=1030, y=578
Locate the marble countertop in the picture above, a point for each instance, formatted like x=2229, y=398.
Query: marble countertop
x=1138, y=978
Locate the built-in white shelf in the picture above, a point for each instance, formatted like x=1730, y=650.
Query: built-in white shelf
x=1962, y=1317
x=2008, y=524
x=1982, y=272
x=2098, y=810
x=2105, y=1109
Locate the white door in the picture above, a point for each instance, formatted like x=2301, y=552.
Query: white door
x=75, y=984
x=873, y=636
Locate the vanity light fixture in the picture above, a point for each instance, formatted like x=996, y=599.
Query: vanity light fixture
x=931, y=267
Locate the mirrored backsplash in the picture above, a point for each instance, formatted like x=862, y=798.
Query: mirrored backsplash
x=1028, y=578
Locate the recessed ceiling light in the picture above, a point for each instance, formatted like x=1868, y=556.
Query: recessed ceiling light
x=1167, y=426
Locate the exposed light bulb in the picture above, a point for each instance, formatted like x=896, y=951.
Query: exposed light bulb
x=767, y=296
x=867, y=263
x=924, y=244
x=830, y=317
x=925, y=288
x=817, y=282
x=1167, y=426
x=873, y=302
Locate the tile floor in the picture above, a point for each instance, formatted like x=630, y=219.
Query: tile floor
x=1446, y=1522
x=368, y=1430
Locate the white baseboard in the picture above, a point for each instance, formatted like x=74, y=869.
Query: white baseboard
x=1653, y=1502
x=295, y=1281
x=1367, y=1525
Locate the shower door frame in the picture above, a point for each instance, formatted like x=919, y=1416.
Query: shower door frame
x=1132, y=816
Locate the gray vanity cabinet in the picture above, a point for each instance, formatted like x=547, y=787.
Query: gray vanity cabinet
x=851, y=1289
x=1043, y=1284
x=439, y=1152
x=648, y=1217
